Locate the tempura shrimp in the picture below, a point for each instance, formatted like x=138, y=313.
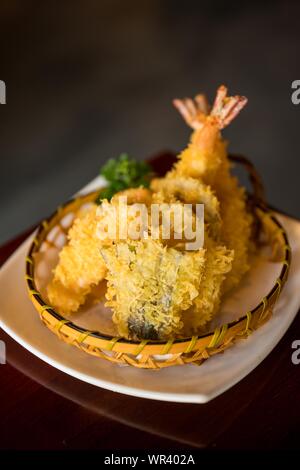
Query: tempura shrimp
x=205, y=159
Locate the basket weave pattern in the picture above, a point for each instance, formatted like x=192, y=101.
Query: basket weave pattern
x=153, y=354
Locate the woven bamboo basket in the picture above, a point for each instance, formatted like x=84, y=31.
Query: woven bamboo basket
x=159, y=354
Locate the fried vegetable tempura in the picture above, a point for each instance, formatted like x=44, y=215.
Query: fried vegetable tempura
x=143, y=270
x=156, y=288
x=80, y=265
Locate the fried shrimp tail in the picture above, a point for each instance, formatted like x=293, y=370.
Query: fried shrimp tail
x=206, y=151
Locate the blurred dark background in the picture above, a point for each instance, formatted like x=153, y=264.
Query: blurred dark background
x=87, y=80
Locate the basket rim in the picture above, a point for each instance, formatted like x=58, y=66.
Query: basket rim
x=41, y=233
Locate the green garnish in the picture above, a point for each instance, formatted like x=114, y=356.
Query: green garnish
x=122, y=173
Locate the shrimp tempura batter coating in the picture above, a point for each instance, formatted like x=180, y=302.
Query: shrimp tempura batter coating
x=156, y=288
x=205, y=159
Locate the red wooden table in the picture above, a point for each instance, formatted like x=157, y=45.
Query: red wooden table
x=43, y=408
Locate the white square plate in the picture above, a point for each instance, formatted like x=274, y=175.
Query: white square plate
x=185, y=384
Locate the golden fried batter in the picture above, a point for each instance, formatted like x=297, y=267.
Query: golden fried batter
x=156, y=288
x=149, y=285
x=80, y=265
